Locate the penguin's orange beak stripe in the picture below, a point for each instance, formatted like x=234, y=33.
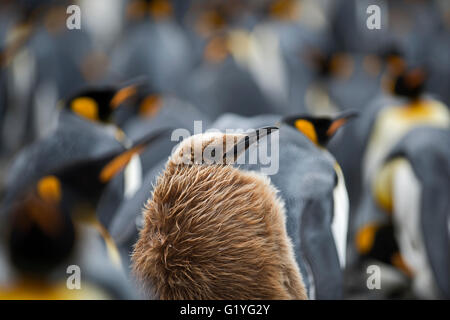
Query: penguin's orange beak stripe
x=122, y=95
x=415, y=78
x=339, y=122
x=118, y=164
x=335, y=126
x=150, y=106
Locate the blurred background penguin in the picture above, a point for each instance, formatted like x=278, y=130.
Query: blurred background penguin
x=411, y=187
x=88, y=119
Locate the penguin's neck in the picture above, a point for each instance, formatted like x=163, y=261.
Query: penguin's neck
x=27, y=287
x=417, y=108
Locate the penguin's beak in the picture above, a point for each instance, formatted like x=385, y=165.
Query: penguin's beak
x=348, y=115
x=340, y=120
x=262, y=132
x=120, y=161
x=122, y=95
x=250, y=138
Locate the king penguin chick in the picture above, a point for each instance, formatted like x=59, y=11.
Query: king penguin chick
x=213, y=231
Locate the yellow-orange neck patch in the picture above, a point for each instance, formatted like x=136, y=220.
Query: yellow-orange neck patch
x=416, y=110
x=24, y=290
x=307, y=128
x=382, y=186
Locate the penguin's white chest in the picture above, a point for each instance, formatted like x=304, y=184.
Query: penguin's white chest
x=339, y=225
x=407, y=192
x=132, y=177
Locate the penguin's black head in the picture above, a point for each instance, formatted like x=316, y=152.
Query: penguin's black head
x=41, y=235
x=211, y=17
x=283, y=9
x=321, y=61
x=145, y=103
x=29, y=7
x=330, y=64
x=394, y=60
x=410, y=84
x=98, y=104
x=319, y=129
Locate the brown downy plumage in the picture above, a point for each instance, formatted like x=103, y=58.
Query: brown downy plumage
x=213, y=231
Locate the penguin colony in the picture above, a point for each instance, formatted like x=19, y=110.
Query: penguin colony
x=92, y=179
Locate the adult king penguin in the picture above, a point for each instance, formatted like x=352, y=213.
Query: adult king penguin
x=392, y=123
x=412, y=188
x=44, y=243
x=313, y=186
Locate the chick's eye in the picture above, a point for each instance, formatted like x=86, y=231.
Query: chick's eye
x=213, y=152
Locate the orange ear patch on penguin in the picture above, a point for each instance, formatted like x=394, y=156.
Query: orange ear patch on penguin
x=49, y=189
x=85, y=107
x=307, y=128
